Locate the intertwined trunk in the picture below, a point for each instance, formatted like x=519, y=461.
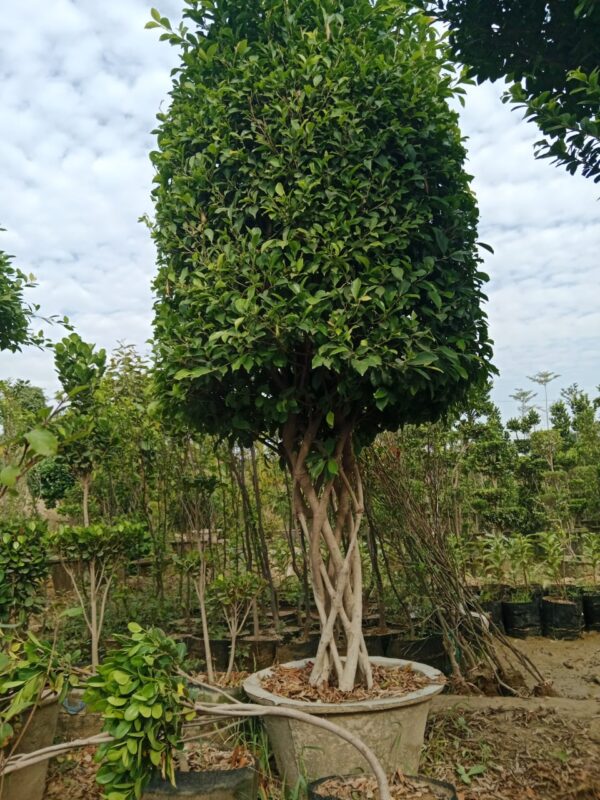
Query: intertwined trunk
x=329, y=511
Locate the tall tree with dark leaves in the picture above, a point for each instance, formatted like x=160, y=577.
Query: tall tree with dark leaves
x=319, y=274
x=549, y=53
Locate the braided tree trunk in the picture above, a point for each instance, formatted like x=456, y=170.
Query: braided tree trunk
x=329, y=511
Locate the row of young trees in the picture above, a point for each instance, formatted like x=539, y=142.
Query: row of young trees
x=122, y=461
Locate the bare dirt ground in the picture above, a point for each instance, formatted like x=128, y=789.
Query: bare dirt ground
x=573, y=666
x=491, y=748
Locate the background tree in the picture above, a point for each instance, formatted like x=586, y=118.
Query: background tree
x=79, y=367
x=15, y=313
x=316, y=233
x=543, y=378
x=549, y=53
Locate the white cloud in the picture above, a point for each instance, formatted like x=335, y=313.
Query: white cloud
x=80, y=84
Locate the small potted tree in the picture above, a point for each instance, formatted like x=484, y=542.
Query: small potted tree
x=92, y=557
x=495, y=557
x=522, y=611
x=562, y=616
x=591, y=595
x=319, y=275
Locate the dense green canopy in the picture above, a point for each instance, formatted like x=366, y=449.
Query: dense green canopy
x=549, y=52
x=315, y=228
x=15, y=314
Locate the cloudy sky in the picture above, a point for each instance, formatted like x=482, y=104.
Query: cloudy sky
x=80, y=84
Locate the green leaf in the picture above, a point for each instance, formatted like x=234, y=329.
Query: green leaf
x=42, y=442
x=71, y=613
x=332, y=467
x=6, y=732
x=355, y=288
x=131, y=712
x=279, y=189
x=9, y=475
x=120, y=677
x=423, y=359
x=133, y=627
x=330, y=418
x=197, y=372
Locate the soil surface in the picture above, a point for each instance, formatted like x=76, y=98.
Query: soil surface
x=293, y=683
x=363, y=786
x=515, y=750
x=572, y=666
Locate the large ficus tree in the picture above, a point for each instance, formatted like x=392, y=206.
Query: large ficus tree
x=319, y=278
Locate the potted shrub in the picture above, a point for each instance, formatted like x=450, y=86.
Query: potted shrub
x=562, y=616
x=591, y=594
x=521, y=612
x=495, y=555
x=93, y=556
x=145, y=699
x=32, y=681
x=23, y=569
x=319, y=275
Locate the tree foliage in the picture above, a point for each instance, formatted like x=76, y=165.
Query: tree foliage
x=23, y=568
x=315, y=228
x=15, y=313
x=549, y=52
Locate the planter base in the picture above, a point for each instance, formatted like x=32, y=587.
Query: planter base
x=29, y=783
x=393, y=727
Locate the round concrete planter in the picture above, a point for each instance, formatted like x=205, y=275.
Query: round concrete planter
x=29, y=783
x=393, y=727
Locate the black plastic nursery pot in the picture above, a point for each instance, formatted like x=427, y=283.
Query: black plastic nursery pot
x=230, y=784
x=376, y=643
x=591, y=610
x=219, y=650
x=522, y=619
x=439, y=789
x=428, y=650
x=493, y=610
x=562, y=619
x=297, y=649
x=259, y=652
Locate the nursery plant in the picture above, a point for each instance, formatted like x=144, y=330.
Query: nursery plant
x=553, y=544
x=93, y=557
x=521, y=557
x=79, y=367
x=319, y=275
x=495, y=555
x=23, y=569
x=28, y=669
x=196, y=568
x=141, y=696
x=591, y=552
x=235, y=594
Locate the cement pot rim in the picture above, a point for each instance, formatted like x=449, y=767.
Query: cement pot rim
x=254, y=690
